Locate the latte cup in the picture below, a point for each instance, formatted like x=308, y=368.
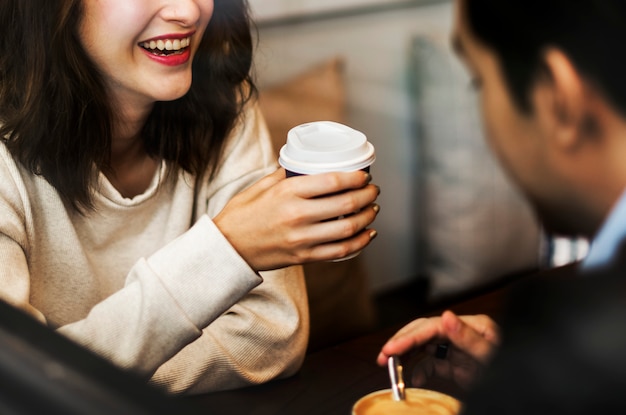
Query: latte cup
x=325, y=146
x=417, y=401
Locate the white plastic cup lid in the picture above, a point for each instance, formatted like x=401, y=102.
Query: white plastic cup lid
x=324, y=146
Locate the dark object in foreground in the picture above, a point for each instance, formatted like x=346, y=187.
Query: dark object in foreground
x=43, y=372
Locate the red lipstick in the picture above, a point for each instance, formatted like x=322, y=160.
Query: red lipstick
x=169, y=57
x=173, y=59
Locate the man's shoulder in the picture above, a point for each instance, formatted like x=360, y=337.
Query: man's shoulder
x=563, y=349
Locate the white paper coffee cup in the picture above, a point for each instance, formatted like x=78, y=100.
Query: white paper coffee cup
x=325, y=146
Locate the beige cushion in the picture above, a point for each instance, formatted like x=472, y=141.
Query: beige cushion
x=339, y=298
x=317, y=94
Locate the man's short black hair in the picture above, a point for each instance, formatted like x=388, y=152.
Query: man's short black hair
x=590, y=32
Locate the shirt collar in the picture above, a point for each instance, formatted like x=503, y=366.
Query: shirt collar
x=607, y=241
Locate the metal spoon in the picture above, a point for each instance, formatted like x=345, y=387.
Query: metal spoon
x=395, y=375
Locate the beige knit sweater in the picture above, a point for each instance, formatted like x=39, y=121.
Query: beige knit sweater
x=136, y=282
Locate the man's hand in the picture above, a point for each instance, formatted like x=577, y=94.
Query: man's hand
x=470, y=342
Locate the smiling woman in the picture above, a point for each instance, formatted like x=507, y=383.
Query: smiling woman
x=59, y=67
x=114, y=32
x=143, y=213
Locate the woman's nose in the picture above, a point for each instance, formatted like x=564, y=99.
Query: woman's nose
x=184, y=12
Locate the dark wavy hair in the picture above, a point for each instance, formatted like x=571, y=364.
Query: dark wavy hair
x=590, y=32
x=55, y=115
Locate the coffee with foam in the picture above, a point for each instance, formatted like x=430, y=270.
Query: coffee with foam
x=417, y=401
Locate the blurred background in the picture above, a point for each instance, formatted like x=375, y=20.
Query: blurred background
x=450, y=219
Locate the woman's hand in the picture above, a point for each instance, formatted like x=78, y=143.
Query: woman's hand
x=279, y=222
x=470, y=340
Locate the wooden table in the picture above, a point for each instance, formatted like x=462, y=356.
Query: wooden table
x=332, y=379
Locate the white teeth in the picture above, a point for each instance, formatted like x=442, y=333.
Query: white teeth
x=167, y=44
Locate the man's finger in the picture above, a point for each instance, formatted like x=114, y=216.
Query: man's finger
x=466, y=338
x=415, y=334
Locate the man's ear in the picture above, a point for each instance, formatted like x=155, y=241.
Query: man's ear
x=561, y=100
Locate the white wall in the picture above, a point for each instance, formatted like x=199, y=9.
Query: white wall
x=376, y=49
x=272, y=9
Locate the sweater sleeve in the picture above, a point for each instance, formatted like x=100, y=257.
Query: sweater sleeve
x=265, y=334
x=166, y=302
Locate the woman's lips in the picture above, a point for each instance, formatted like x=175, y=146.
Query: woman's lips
x=173, y=59
x=171, y=51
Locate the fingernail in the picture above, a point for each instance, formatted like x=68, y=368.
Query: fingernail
x=373, y=234
x=376, y=208
x=368, y=177
x=454, y=325
x=378, y=189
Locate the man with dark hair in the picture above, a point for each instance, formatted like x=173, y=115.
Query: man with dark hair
x=549, y=76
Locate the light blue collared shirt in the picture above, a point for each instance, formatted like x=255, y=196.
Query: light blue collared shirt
x=607, y=241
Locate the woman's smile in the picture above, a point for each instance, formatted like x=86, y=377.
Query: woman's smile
x=171, y=50
x=144, y=49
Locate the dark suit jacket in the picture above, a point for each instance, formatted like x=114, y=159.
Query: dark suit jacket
x=563, y=349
